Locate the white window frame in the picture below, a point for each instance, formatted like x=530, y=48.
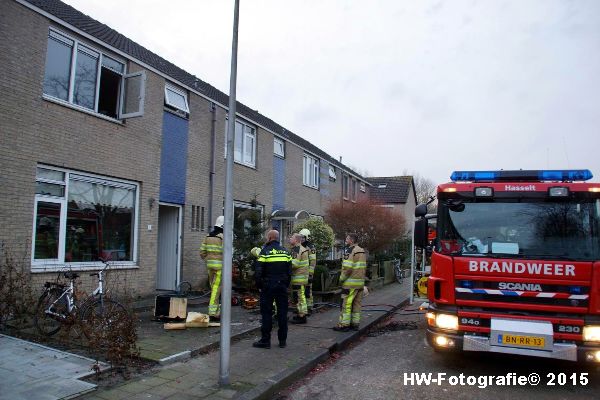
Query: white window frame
x=278, y=147
x=91, y=50
x=171, y=88
x=245, y=136
x=310, y=171
x=332, y=173
x=363, y=187
x=59, y=264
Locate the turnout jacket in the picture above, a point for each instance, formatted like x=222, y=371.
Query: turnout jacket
x=274, y=264
x=353, y=268
x=300, y=265
x=312, y=258
x=211, y=250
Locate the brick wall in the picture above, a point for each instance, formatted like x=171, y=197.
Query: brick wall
x=35, y=131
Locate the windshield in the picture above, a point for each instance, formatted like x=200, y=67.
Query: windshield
x=545, y=230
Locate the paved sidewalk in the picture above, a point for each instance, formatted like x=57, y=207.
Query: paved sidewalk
x=157, y=344
x=256, y=373
x=31, y=371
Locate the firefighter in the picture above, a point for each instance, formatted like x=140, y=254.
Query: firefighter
x=312, y=262
x=211, y=251
x=352, y=280
x=300, y=263
x=273, y=277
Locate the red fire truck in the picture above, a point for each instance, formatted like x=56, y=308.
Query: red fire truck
x=515, y=265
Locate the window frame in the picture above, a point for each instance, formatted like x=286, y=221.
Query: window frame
x=53, y=265
x=332, y=173
x=345, y=186
x=353, y=190
x=79, y=45
x=254, y=135
x=281, y=142
x=362, y=187
x=175, y=90
x=310, y=164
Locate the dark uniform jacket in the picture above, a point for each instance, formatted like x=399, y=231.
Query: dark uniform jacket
x=274, y=265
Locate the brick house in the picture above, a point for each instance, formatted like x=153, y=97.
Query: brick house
x=110, y=150
x=397, y=193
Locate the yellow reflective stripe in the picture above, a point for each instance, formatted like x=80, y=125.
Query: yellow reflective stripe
x=274, y=259
x=354, y=282
x=313, y=256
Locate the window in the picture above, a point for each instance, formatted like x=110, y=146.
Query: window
x=81, y=218
x=177, y=99
x=332, y=174
x=345, y=185
x=382, y=186
x=363, y=187
x=247, y=221
x=279, y=147
x=353, y=192
x=244, y=149
x=92, y=81
x=311, y=171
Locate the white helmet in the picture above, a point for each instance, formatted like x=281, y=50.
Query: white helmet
x=305, y=232
x=220, y=221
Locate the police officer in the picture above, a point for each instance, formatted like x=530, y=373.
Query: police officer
x=312, y=258
x=300, y=264
x=273, y=276
x=352, y=280
x=211, y=251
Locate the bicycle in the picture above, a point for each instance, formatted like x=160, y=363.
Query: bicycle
x=399, y=272
x=58, y=306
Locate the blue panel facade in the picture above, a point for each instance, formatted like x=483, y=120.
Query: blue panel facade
x=173, y=160
x=278, y=183
x=278, y=188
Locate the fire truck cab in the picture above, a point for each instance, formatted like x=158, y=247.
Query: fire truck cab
x=515, y=264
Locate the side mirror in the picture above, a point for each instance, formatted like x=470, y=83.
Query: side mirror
x=420, y=232
x=421, y=210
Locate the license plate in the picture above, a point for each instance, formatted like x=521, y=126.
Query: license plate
x=518, y=340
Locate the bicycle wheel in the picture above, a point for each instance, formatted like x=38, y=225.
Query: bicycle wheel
x=184, y=288
x=46, y=321
x=102, y=317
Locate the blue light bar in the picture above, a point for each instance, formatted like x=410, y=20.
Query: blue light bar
x=522, y=175
x=575, y=290
x=467, y=284
x=473, y=176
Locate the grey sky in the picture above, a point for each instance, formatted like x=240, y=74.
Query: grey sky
x=427, y=86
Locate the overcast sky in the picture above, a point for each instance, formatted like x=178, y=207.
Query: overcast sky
x=396, y=86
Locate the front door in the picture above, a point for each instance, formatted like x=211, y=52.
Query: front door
x=169, y=233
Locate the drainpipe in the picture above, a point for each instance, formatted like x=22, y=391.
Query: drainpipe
x=211, y=172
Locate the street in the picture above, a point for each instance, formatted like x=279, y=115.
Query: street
x=374, y=369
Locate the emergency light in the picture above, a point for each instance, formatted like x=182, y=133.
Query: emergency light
x=522, y=175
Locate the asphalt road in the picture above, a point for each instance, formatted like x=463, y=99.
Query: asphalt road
x=374, y=369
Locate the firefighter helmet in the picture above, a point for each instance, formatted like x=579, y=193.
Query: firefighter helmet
x=305, y=232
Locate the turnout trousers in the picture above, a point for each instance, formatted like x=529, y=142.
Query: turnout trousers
x=274, y=293
x=308, y=294
x=299, y=299
x=214, y=304
x=351, y=306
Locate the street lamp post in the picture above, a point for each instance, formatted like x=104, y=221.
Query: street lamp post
x=228, y=228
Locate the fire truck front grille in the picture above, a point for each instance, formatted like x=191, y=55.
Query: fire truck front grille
x=551, y=299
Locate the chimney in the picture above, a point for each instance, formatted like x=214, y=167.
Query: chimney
x=340, y=159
